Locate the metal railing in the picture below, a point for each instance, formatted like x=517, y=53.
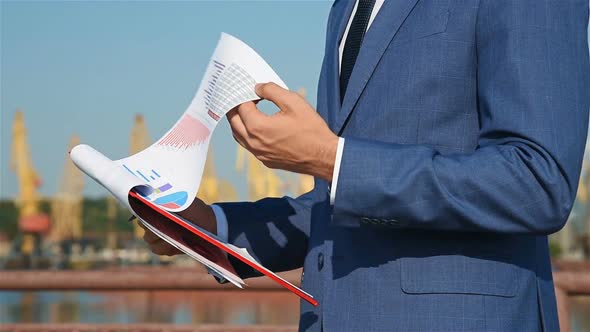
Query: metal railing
x=129, y=278
x=140, y=328
x=571, y=279
x=148, y=279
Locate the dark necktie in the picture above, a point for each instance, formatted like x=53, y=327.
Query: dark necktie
x=354, y=40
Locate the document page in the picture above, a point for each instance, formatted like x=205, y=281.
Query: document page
x=169, y=172
x=164, y=178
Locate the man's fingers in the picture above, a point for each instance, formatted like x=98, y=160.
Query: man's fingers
x=273, y=93
x=150, y=237
x=163, y=248
x=157, y=245
x=140, y=224
x=237, y=126
x=251, y=117
x=239, y=131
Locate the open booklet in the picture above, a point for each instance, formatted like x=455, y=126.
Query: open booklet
x=162, y=180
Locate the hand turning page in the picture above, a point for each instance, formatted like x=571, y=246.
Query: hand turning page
x=168, y=173
x=165, y=177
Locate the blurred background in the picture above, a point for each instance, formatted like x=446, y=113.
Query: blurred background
x=117, y=75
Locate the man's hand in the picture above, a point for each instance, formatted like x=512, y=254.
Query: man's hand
x=294, y=139
x=157, y=245
x=198, y=212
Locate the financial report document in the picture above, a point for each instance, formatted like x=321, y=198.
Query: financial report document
x=164, y=179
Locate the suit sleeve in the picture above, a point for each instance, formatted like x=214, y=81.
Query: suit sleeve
x=533, y=99
x=274, y=230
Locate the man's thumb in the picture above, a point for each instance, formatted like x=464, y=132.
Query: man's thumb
x=272, y=92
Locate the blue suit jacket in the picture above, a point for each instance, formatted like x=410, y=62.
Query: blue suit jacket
x=465, y=124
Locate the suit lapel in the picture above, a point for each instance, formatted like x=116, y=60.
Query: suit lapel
x=341, y=14
x=377, y=38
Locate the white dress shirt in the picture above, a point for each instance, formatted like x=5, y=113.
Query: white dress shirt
x=222, y=231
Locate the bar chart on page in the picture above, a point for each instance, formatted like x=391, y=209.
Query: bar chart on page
x=228, y=86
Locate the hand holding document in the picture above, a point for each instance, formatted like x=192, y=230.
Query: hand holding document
x=164, y=178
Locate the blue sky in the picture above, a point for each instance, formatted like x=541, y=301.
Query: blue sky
x=85, y=68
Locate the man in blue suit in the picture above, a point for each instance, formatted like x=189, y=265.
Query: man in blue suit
x=446, y=146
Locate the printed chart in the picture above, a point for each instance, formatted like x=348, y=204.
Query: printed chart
x=227, y=88
x=187, y=133
x=164, y=193
x=168, y=173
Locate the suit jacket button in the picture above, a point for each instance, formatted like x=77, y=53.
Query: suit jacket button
x=320, y=261
x=398, y=223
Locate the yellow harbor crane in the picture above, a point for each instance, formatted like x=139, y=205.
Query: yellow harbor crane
x=66, y=207
x=213, y=189
x=583, y=194
x=585, y=184
x=262, y=181
x=566, y=237
x=32, y=222
x=139, y=140
x=111, y=219
x=303, y=183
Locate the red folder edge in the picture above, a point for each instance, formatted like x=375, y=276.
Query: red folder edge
x=223, y=247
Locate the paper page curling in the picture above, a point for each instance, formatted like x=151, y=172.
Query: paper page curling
x=107, y=173
x=165, y=177
x=172, y=167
